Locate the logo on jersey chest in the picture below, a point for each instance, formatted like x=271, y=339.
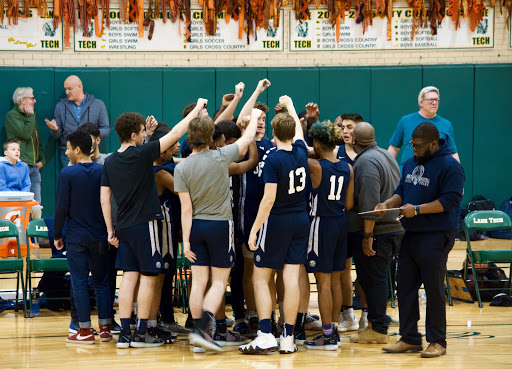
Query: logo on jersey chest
x=417, y=177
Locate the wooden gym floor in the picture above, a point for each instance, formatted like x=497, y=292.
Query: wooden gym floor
x=477, y=338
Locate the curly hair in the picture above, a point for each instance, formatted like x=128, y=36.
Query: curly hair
x=200, y=133
x=326, y=134
x=261, y=106
x=127, y=124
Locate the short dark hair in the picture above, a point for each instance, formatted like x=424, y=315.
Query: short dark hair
x=326, y=134
x=217, y=134
x=229, y=129
x=159, y=133
x=81, y=139
x=90, y=128
x=10, y=141
x=284, y=126
x=127, y=124
x=188, y=109
x=426, y=131
x=354, y=117
x=261, y=106
x=200, y=133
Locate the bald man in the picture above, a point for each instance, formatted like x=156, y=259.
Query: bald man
x=76, y=109
x=373, y=240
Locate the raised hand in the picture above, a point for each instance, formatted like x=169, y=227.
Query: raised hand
x=263, y=85
x=52, y=124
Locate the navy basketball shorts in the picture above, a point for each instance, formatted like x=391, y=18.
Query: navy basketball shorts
x=327, y=245
x=213, y=242
x=168, y=246
x=283, y=239
x=139, y=248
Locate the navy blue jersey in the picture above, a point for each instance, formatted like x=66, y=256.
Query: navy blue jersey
x=328, y=199
x=342, y=155
x=289, y=169
x=252, y=181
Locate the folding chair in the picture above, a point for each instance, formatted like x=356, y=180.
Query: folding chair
x=9, y=229
x=38, y=228
x=486, y=220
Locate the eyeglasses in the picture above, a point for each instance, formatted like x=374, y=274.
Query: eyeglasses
x=29, y=97
x=418, y=147
x=432, y=101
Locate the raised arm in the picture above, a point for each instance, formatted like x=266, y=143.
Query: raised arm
x=286, y=102
x=246, y=110
x=230, y=109
x=246, y=165
x=249, y=133
x=181, y=128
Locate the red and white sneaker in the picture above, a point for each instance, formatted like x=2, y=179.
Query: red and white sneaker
x=84, y=336
x=105, y=333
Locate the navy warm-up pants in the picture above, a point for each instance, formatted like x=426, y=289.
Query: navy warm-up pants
x=422, y=259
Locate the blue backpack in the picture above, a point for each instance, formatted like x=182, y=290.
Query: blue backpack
x=506, y=207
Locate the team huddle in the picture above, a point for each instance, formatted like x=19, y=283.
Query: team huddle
x=260, y=214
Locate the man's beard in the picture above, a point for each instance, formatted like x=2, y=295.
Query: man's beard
x=426, y=157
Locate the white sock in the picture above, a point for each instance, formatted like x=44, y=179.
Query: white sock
x=349, y=313
x=151, y=323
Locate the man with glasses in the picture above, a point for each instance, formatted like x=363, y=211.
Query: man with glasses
x=21, y=126
x=428, y=101
x=429, y=196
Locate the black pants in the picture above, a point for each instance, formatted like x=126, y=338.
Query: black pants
x=422, y=259
x=372, y=273
x=237, y=283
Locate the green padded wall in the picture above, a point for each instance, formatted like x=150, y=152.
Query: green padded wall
x=473, y=98
x=344, y=90
x=301, y=84
x=184, y=86
x=456, y=86
x=393, y=94
x=227, y=78
x=493, y=132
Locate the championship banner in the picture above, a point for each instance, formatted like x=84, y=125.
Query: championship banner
x=317, y=34
x=171, y=36
x=34, y=33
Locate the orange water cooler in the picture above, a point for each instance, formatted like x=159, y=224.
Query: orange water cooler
x=16, y=206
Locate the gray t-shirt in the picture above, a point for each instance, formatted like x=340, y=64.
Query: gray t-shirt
x=205, y=177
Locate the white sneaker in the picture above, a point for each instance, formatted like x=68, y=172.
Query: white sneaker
x=348, y=323
x=363, y=322
x=287, y=345
x=393, y=320
x=262, y=343
x=198, y=350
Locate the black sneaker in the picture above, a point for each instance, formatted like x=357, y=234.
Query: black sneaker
x=146, y=340
x=200, y=338
x=323, y=342
x=228, y=339
x=299, y=337
x=241, y=328
x=116, y=328
x=254, y=327
x=124, y=340
x=167, y=336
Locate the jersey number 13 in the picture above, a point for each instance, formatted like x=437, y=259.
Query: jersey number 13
x=300, y=175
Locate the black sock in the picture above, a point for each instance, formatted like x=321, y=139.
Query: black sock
x=205, y=320
x=142, y=325
x=196, y=323
x=299, y=323
x=221, y=326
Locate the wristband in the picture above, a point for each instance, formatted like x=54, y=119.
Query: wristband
x=416, y=210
